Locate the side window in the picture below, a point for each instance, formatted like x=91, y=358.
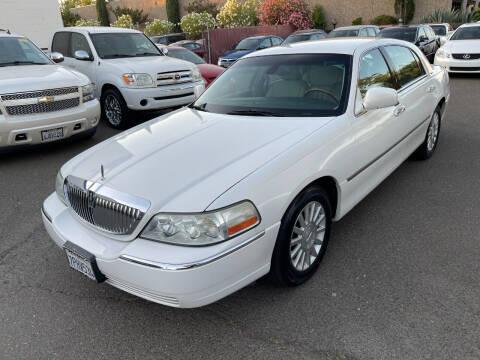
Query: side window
x=363, y=32
x=404, y=64
x=419, y=62
x=276, y=41
x=421, y=33
x=371, y=32
x=374, y=72
x=61, y=43
x=265, y=44
x=79, y=42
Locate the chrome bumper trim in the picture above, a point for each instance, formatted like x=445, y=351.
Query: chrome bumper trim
x=162, y=266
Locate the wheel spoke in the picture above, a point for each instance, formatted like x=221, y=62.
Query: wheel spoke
x=295, y=241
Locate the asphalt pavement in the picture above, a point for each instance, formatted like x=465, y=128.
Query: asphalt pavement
x=400, y=279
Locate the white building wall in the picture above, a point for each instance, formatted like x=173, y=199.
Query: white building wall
x=35, y=19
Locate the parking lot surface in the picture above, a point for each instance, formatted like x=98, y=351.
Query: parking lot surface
x=400, y=279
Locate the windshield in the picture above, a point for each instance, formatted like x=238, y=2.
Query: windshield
x=247, y=44
x=20, y=51
x=187, y=55
x=406, y=34
x=298, y=85
x=119, y=45
x=343, y=33
x=296, y=38
x=467, y=33
x=440, y=30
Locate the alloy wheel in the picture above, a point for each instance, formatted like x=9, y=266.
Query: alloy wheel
x=113, y=110
x=433, y=132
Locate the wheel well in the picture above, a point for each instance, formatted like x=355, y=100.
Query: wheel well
x=441, y=105
x=105, y=87
x=330, y=185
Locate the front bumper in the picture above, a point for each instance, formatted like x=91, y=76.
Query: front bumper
x=226, y=63
x=155, y=272
x=459, y=66
x=162, y=97
x=74, y=122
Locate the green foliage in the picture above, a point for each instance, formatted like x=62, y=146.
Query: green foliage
x=453, y=17
x=200, y=6
x=318, y=17
x=409, y=11
x=102, y=13
x=384, y=20
x=82, y=22
x=476, y=15
x=237, y=14
x=159, y=27
x=124, y=21
x=173, y=11
x=137, y=15
x=357, y=21
x=68, y=17
x=194, y=24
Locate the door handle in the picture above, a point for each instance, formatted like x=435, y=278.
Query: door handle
x=431, y=89
x=399, y=110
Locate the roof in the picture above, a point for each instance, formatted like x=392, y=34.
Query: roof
x=99, y=29
x=260, y=36
x=354, y=27
x=309, y=31
x=470, y=25
x=346, y=46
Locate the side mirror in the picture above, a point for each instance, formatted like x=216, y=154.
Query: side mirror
x=82, y=55
x=380, y=98
x=56, y=57
x=164, y=51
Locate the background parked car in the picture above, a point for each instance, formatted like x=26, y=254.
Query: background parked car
x=421, y=35
x=192, y=46
x=129, y=72
x=40, y=101
x=247, y=46
x=352, y=31
x=168, y=39
x=209, y=71
x=305, y=35
x=443, y=31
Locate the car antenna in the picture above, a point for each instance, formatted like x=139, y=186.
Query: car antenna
x=7, y=31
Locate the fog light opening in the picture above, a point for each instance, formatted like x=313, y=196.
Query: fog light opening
x=144, y=102
x=21, y=137
x=77, y=127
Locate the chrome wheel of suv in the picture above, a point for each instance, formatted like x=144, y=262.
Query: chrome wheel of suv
x=113, y=111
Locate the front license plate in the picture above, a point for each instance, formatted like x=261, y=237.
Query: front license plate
x=52, y=134
x=82, y=261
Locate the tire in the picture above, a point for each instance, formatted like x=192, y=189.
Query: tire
x=286, y=268
x=427, y=148
x=114, y=109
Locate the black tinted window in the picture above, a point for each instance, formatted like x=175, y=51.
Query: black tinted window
x=439, y=30
x=374, y=72
x=467, y=33
x=401, y=33
x=61, y=43
x=404, y=64
x=118, y=45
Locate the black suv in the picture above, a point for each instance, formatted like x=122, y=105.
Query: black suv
x=305, y=35
x=168, y=39
x=421, y=35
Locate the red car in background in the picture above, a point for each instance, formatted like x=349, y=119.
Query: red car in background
x=209, y=72
x=194, y=46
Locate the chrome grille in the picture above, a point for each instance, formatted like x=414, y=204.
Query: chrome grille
x=466, y=56
x=174, y=77
x=103, y=207
x=42, y=107
x=40, y=94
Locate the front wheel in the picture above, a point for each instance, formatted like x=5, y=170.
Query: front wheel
x=302, y=239
x=114, y=109
x=427, y=148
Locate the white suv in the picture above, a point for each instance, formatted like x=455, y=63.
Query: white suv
x=128, y=70
x=39, y=100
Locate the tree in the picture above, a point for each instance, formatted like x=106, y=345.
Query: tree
x=405, y=10
x=173, y=11
x=102, y=13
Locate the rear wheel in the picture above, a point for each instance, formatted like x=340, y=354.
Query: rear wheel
x=114, y=109
x=426, y=150
x=302, y=239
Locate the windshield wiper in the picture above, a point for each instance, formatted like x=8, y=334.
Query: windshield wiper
x=199, y=107
x=22, y=63
x=147, y=54
x=118, y=56
x=254, y=113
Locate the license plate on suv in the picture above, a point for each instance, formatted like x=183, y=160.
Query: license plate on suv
x=52, y=134
x=82, y=261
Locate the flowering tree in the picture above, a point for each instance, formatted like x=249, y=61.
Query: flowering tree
x=83, y=22
x=159, y=27
x=297, y=13
x=124, y=21
x=237, y=14
x=195, y=23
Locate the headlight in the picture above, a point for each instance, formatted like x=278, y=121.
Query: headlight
x=196, y=75
x=88, y=92
x=441, y=53
x=138, y=80
x=202, y=228
x=59, y=187
x=219, y=63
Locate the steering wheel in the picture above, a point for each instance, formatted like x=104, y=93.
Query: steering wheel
x=324, y=91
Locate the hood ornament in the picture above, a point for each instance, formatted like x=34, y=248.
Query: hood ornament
x=102, y=172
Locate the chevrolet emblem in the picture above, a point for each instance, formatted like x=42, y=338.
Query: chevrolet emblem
x=46, y=99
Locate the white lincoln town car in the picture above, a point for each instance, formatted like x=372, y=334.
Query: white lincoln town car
x=192, y=206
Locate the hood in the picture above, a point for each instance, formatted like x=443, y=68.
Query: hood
x=209, y=70
x=462, y=46
x=183, y=161
x=25, y=78
x=149, y=64
x=236, y=54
